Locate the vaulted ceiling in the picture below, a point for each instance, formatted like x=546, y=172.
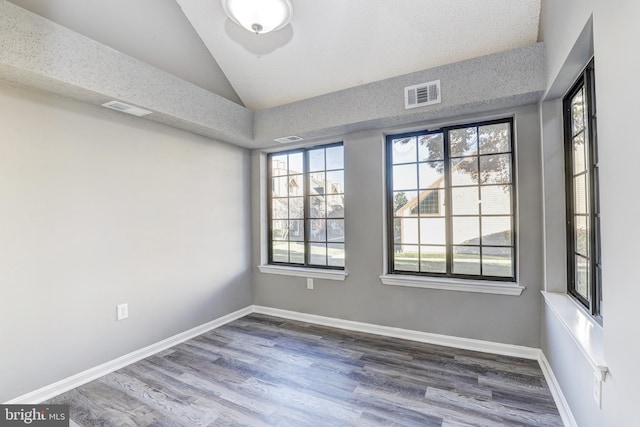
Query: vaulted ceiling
x=330, y=45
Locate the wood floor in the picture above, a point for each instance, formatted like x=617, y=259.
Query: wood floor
x=267, y=371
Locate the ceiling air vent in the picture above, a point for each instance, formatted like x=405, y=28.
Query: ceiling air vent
x=126, y=108
x=422, y=94
x=286, y=139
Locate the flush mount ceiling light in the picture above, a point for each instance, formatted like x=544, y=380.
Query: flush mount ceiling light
x=259, y=16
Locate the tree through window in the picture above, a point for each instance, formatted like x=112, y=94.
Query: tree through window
x=451, y=202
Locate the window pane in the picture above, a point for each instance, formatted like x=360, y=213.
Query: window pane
x=495, y=138
x=496, y=231
x=335, y=253
x=405, y=177
x=280, y=187
x=404, y=203
x=296, y=185
x=496, y=199
x=433, y=259
x=580, y=194
x=405, y=230
x=296, y=253
x=431, y=147
x=280, y=208
x=582, y=235
x=582, y=276
x=318, y=230
x=335, y=206
x=279, y=165
x=318, y=254
x=317, y=207
x=316, y=160
x=431, y=174
x=464, y=171
x=579, y=154
x=433, y=231
x=466, y=260
x=497, y=262
x=295, y=163
x=431, y=203
x=495, y=169
x=464, y=201
x=296, y=207
x=280, y=251
x=335, y=230
x=335, y=158
x=406, y=258
x=403, y=150
x=335, y=182
x=577, y=112
x=280, y=230
x=317, y=182
x=296, y=230
x=463, y=142
x=466, y=230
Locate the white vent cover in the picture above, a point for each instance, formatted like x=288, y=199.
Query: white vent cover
x=422, y=94
x=126, y=108
x=286, y=139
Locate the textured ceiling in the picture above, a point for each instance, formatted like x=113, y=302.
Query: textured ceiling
x=329, y=45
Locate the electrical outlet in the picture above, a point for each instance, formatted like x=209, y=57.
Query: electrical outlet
x=309, y=283
x=597, y=391
x=122, y=311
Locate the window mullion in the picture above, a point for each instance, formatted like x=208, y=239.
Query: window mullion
x=448, y=204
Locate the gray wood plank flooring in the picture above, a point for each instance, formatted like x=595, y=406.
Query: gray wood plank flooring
x=267, y=371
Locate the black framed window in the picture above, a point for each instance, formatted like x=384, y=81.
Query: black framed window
x=584, y=266
x=306, y=207
x=451, y=202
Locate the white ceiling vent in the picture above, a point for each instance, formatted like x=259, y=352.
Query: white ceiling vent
x=126, y=108
x=422, y=94
x=286, y=139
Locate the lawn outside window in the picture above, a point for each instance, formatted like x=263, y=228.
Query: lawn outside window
x=451, y=203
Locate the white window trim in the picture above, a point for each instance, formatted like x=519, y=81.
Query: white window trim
x=449, y=284
x=587, y=334
x=312, y=273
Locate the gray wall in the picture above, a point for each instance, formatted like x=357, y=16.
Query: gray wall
x=362, y=296
x=97, y=209
x=572, y=30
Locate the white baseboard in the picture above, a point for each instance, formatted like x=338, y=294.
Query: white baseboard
x=388, y=331
x=556, y=392
x=96, y=372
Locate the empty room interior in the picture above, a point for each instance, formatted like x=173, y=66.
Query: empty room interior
x=303, y=213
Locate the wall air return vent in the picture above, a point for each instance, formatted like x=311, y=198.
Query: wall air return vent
x=422, y=94
x=126, y=108
x=286, y=139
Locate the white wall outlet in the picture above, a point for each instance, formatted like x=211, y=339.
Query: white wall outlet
x=122, y=311
x=309, y=282
x=597, y=391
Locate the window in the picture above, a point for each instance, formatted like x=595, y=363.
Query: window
x=306, y=210
x=451, y=202
x=583, y=209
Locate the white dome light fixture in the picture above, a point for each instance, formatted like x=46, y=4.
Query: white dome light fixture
x=259, y=16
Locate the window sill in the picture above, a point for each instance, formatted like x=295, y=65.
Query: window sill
x=584, y=330
x=478, y=286
x=313, y=273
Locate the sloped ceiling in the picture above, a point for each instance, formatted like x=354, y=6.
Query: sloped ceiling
x=338, y=66
x=329, y=45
